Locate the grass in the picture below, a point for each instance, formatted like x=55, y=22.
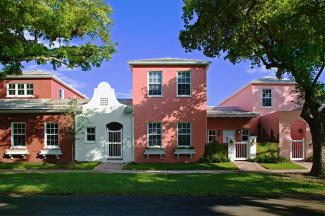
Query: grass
x=181, y=166
x=50, y=165
x=278, y=166
x=263, y=149
x=207, y=184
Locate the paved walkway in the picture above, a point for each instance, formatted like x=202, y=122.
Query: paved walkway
x=249, y=166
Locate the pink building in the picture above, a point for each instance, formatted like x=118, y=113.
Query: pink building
x=169, y=101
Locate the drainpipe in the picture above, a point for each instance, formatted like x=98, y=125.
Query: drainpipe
x=132, y=140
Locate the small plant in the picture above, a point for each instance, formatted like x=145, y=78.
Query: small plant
x=179, y=147
x=269, y=159
x=310, y=159
x=154, y=148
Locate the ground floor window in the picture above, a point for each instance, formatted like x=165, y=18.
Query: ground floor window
x=18, y=134
x=212, y=135
x=91, y=134
x=244, y=135
x=154, y=134
x=184, y=134
x=52, y=134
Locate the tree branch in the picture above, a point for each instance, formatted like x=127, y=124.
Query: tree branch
x=51, y=58
x=251, y=8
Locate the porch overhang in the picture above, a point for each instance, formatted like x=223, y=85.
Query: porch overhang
x=230, y=112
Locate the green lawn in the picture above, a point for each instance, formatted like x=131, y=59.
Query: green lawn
x=50, y=165
x=267, y=149
x=181, y=166
x=278, y=166
x=207, y=184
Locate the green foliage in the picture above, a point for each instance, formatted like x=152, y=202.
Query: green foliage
x=310, y=159
x=154, y=148
x=215, y=152
x=278, y=166
x=267, y=148
x=178, y=147
x=50, y=21
x=50, y=165
x=268, y=159
x=181, y=166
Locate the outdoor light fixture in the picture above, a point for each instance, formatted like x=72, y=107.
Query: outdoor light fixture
x=231, y=142
x=300, y=130
x=238, y=131
x=220, y=132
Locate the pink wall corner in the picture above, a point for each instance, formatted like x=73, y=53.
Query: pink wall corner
x=41, y=88
x=236, y=124
x=169, y=110
x=271, y=121
x=282, y=97
x=285, y=120
x=68, y=93
x=243, y=99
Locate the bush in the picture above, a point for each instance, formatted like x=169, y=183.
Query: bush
x=191, y=147
x=310, y=159
x=269, y=159
x=215, y=152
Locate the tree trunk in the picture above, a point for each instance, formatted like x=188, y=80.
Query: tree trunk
x=318, y=168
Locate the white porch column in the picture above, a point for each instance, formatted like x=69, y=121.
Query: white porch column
x=251, y=143
x=231, y=148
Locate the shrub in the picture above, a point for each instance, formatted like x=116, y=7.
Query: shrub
x=269, y=159
x=154, y=148
x=191, y=147
x=310, y=159
x=215, y=152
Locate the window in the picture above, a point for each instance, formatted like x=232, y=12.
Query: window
x=104, y=101
x=184, y=134
x=212, y=135
x=18, y=131
x=61, y=94
x=244, y=135
x=154, y=84
x=91, y=134
x=184, y=83
x=154, y=134
x=20, y=89
x=267, y=97
x=52, y=134
x=73, y=97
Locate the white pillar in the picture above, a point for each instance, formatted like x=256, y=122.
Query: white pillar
x=231, y=148
x=251, y=143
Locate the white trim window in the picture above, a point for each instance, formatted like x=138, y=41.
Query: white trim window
x=91, y=134
x=52, y=134
x=184, y=83
x=18, y=134
x=244, y=135
x=61, y=93
x=20, y=90
x=266, y=97
x=184, y=134
x=212, y=135
x=154, y=134
x=155, y=83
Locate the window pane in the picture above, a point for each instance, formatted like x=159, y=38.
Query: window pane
x=184, y=89
x=154, y=89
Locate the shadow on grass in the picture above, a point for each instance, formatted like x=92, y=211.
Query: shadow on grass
x=50, y=165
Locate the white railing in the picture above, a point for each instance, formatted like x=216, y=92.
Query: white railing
x=297, y=149
x=241, y=150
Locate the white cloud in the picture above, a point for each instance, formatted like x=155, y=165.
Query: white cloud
x=261, y=70
x=124, y=95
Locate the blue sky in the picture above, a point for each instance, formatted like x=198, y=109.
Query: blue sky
x=149, y=29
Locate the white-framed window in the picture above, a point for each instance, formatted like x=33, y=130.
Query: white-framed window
x=51, y=134
x=73, y=97
x=18, y=134
x=103, y=101
x=61, y=93
x=184, y=134
x=184, y=83
x=154, y=134
x=244, y=135
x=20, y=90
x=267, y=97
x=212, y=135
x=91, y=134
x=155, y=83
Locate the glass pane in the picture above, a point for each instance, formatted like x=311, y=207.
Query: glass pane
x=155, y=89
x=184, y=89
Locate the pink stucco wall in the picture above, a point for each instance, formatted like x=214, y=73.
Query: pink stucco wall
x=231, y=124
x=297, y=130
x=169, y=110
x=243, y=99
x=285, y=120
x=68, y=93
x=270, y=121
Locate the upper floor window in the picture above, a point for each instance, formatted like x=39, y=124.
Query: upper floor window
x=184, y=83
x=244, y=135
x=154, y=82
x=267, y=97
x=20, y=89
x=212, y=135
x=18, y=134
x=184, y=134
x=154, y=134
x=61, y=93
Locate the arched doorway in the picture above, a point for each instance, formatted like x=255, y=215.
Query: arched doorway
x=115, y=140
x=297, y=133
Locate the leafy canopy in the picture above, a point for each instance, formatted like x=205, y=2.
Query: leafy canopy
x=50, y=21
x=286, y=35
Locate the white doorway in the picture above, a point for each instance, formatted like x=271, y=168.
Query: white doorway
x=228, y=133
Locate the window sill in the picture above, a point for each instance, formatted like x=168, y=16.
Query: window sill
x=52, y=147
x=266, y=107
x=90, y=142
x=16, y=147
x=184, y=96
x=149, y=96
x=18, y=96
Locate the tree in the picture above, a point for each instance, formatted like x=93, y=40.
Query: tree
x=71, y=125
x=51, y=21
x=285, y=35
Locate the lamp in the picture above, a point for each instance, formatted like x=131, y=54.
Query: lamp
x=299, y=130
x=220, y=132
x=238, y=131
x=231, y=142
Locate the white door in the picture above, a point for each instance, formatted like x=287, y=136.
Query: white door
x=228, y=133
x=114, y=147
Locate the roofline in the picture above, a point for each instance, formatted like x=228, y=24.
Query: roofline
x=236, y=93
x=49, y=76
x=131, y=63
x=234, y=115
x=31, y=110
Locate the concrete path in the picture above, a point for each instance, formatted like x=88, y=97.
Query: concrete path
x=249, y=166
x=160, y=205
